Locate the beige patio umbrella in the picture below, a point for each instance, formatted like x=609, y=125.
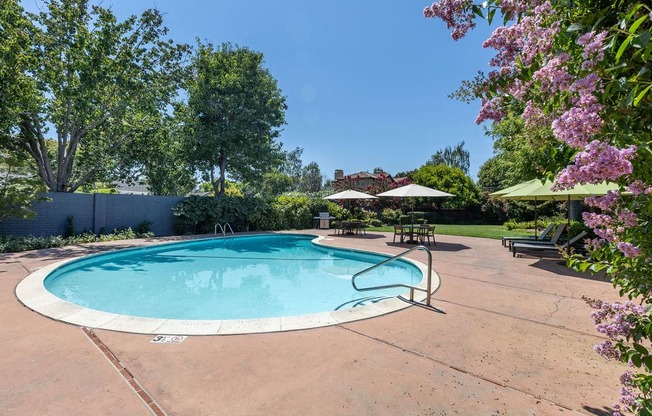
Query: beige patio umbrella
x=350, y=194
x=413, y=190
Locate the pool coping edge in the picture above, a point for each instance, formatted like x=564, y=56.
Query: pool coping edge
x=31, y=292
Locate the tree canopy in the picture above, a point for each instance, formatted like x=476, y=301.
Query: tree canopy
x=237, y=110
x=457, y=157
x=452, y=180
x=92, y=81
x=19, y=190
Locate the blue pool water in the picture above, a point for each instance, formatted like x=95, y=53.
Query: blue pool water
x=227, y=278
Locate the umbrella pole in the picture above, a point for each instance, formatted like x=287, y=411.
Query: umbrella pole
x=412, y=220
x=568, y=230
x=536, y=224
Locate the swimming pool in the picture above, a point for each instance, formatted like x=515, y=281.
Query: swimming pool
x=264, y=280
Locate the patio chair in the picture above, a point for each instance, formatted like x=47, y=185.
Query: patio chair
x=547, y=247
x=551, y=242
x=338, y=227
x=425, y=233
x=398, y=230
x=542, y=236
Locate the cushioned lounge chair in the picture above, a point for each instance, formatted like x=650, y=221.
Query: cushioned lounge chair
x=554, y=239
x=516, y=247
x=542, y=236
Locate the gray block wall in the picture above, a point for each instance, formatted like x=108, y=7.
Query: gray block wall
x=94, y=212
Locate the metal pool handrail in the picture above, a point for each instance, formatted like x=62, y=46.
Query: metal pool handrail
x=223, y=229
x=411, y=287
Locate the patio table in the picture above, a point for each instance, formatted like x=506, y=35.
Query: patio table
x=351, y=227
x=411, y=232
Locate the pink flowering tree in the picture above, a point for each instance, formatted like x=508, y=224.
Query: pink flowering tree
x=583, y=71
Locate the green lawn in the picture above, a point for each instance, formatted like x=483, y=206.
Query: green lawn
x=486, y=231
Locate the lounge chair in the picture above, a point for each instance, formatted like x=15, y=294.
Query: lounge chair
x=546, y=246
x=552, y=241
x=542, y=236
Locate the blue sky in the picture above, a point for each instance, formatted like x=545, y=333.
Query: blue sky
x=366, y=82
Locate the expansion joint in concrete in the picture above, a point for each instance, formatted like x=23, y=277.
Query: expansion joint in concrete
x=151, y=405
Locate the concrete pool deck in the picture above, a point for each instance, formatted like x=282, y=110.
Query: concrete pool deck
x=514, y=338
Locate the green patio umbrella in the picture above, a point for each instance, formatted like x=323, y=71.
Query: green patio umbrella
x=537, y=190
x=514, y=188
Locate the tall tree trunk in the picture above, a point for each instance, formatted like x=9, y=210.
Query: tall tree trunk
x=222, y=178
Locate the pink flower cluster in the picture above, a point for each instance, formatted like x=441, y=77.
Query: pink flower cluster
x=593, y=48
x=526, y=39
x=456, y=14
x=639, y=187
x=616, y=321
x=611, y=227
x=594, y=220
x=629, y=249
x=598, y=162
x=627, y=399
x=534, y=116
x=582, y=120
x=491, y=110
x=579, y=124
x=604, y=202
x=554, y=76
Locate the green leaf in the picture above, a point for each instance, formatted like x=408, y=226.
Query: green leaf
x=642, y=94
x=647, y=361
x=640, y=348
x=623, y=47
x=630, y=96
x=631, y=13
x=635, y=358
x=642, y=40
x=574, y=27
x=490, y=16
x=636, y=24
x=646, y=54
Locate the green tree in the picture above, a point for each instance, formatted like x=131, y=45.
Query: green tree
x=237, y=109
x=452, y=180
x=292, y=165
x=19, y=189
x=452, y=156
x=527, y=152
x=164, y=165
x=93, y=80
x=272, y=184
x=491, y=175
x=311, y=178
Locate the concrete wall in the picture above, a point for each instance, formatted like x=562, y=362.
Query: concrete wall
x=94, y=212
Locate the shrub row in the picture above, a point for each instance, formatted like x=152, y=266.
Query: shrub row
x=9, y=244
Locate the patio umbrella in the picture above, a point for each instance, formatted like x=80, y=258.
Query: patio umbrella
x=513, y=188
x=350, y=194
x=536, y=190
x=413, y=190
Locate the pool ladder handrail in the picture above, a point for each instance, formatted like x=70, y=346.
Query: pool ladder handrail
x=223, y=229
x=411, y=287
